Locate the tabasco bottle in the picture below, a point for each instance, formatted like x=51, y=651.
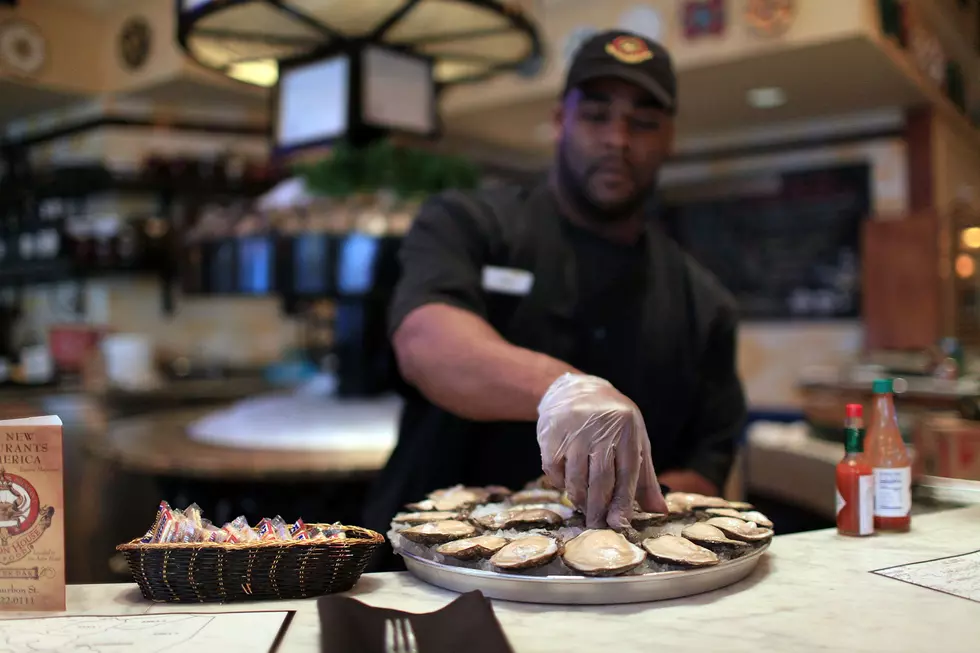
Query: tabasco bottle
x=855, y=480
x=890, y=462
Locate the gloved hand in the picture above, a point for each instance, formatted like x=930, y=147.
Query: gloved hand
x=594, y=445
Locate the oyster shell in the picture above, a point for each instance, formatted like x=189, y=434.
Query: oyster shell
x=738, y=529
x=481, y=546
x=452, y=499
x=741, y=505
x=520, y=518
x=497, y=492
x=643, y=520
x=525, y=552
x=536, y=496
x=677, y=550
x=711, y=537
x=708, y=513
x=602, y=553
x=416, y=518
x=677, y=505
x=439, y=532
x=757, y=517
x=540, y=483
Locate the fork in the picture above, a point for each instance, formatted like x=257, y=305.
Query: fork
x=400, y=637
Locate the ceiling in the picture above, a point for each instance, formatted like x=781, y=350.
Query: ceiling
x=713, y=99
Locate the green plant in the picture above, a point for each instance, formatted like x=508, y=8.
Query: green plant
x=410, y=173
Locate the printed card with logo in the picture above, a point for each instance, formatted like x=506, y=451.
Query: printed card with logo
x=32, y=515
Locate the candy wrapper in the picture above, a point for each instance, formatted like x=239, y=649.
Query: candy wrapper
x=190, y=526
x=163, y=526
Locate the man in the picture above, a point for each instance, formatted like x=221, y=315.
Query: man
x=555, y=327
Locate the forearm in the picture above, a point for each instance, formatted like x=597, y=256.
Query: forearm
x=460, y=363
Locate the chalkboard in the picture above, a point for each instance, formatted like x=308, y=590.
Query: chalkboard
x=789, y=252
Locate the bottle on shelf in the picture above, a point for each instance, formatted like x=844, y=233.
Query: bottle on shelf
x=855, y=480
x=890, y=462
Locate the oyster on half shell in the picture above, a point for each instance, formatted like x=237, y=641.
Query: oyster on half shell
x=536, y=495
x=481, y=546
x=757, y=517
x=452, y=499
x=741, y=505
x=438, y=532
x=708, y=513
x=711, y=537
x=416, y=518
x=520, y=518
x=602, y=553
x=525, y=552
x=738, y=529
x=676, y=550
x=641, y=520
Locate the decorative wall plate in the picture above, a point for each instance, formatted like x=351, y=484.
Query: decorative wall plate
x=135, y=41
x=23, y=49
x=703, y=18
x=769, y=18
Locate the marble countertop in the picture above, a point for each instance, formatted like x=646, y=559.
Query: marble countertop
x=811, y=592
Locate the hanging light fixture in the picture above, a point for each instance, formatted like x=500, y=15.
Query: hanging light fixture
x=372, y=52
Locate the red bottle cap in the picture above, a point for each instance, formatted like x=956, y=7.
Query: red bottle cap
x=854, y=410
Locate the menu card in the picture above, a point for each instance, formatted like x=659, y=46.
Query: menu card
x=32, y=515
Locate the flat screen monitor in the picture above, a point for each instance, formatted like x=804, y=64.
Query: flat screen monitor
x=313, y=102
x=398, y=91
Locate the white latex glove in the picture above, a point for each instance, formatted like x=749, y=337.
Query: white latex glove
x=594, y=445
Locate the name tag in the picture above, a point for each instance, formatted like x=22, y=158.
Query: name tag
x=509, y=281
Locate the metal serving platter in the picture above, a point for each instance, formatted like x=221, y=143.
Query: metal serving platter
x=577, y=590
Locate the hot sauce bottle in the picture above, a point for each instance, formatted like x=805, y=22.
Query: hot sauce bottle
x=890, y=463
x=855, y=480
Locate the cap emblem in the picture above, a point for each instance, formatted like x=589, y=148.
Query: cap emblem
x=629, y=49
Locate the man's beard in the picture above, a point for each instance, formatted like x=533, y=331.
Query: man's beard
x=577, y=192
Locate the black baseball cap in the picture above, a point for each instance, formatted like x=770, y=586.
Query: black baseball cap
x=627, y=56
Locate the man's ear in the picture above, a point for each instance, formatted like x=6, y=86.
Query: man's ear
x=557, y=121
x=670, y=135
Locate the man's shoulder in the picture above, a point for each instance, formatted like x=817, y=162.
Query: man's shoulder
x=498, y=204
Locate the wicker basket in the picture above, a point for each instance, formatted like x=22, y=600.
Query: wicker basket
x=250, y=571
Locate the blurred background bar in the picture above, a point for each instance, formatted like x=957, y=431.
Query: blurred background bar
x=201, y=205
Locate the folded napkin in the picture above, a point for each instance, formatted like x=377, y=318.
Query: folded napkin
x=467, y=624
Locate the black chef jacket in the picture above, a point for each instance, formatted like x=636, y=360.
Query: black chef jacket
x=645, y=317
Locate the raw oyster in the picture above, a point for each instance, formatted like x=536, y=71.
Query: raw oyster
x=602, y=553
x=677, y=505
x=643, y=520
x=540, y=483
x=450, y=499
x=525, y=552
x=416, y=518
x=439, y=532
x=708, y=513
x=741, y=505
x=520, y=518
x=679, y=551
x=497, y=492
x=481, y=546
x=757, y=517
x=738, y=529
x=700, y=502
x=711, y=537
x=536, y=496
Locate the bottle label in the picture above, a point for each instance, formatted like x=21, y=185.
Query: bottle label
x=892, y=491
x=866, y=505
x=840, y=500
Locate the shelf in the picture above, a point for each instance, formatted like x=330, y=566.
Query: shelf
x=931, y=92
